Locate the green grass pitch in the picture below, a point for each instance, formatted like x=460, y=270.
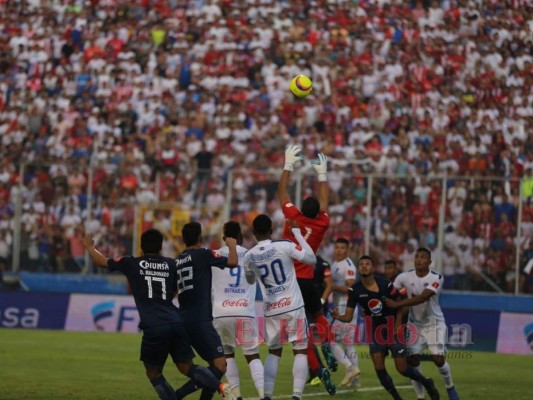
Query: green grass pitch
x=36, y=364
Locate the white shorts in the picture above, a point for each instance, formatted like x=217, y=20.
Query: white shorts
x=433, y=336
x=238, y=331
x=288, y=327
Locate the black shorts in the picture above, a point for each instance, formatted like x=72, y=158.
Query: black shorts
x=204, y=339
x=383, y=346
x=311, y=296
x=160, y=341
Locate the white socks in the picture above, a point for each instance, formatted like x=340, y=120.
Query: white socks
x=299, y=374
x=351, y=354
x=232, y=374
x=340, y=355
x=271, y=370
x=258, y=375
x=446, y=374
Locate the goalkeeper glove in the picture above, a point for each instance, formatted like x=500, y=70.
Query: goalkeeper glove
x=292, y=155
x=320, y=165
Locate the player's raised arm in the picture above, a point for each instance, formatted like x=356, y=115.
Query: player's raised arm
x=307, y=256
x=233, y=257
x=320, y=165
x=98, y=258
x=293, y=153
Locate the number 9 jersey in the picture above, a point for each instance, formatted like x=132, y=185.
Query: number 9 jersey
x=272, y=262
x=232, y=295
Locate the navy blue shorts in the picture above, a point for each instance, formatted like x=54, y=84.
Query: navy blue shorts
x=160, y=341
x=396, y=348
x=204, y=339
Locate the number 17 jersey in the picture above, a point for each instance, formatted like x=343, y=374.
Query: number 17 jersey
x=272, y=262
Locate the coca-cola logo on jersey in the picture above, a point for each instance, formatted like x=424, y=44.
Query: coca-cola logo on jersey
x=284, y=302
x=235, y=303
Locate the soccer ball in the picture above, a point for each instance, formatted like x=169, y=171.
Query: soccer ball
x=301, y=85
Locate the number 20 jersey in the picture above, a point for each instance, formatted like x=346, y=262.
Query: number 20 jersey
x=232, y=296
x=272, y=262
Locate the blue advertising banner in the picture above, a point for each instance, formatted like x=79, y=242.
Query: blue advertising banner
x=33, y=310
x=472, y=329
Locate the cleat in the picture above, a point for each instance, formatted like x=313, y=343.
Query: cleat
x=351, y=373
x=315, y=381
x=266, y=398
x=431, y=389
x=330, y=358
x=225, y=391
x=452, y=393
x=328, y=383
x=295, y=398
x=355, y=383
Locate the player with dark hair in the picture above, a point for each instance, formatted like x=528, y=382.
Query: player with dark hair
x=234, y=315
x=423, y=287
x=194, y=297
x=153, y=281
x=369, y=293
x=343, y=273
x=313, y=221
x=271, y=261
x=391, y=270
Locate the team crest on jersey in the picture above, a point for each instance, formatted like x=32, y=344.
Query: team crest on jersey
x=435, y=285
x=375, y=306
x=351, y=273
x=117, y=259
x=298, y=247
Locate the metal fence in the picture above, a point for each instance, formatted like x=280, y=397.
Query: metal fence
x=479, y=229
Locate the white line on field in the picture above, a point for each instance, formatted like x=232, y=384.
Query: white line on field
x=325, y=395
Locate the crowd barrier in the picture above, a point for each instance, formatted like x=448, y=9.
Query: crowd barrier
x=502, y=324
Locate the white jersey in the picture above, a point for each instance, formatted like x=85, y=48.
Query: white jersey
x=341, y=271
x=232, y=295
x=272, y=263
x=430, y=311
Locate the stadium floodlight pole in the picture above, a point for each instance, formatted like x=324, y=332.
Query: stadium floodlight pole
x=368, y=212
x=229, y=195
x=518, y=235
x=442, y=222
x=18, y=220
x=88, y=216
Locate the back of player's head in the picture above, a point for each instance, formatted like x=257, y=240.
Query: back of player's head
x=310, y=207
x=151, y=241
x=191, y=233
x=365, y=257
x=232, y=229
x=424, y=250
x=262, y=225
x=342, y=240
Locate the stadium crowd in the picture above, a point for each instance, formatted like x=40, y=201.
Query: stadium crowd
x=162, y=98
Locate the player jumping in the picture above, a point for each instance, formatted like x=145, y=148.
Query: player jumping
x=313, y=222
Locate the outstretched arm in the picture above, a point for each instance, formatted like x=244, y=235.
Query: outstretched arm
x=346, y=317
x=413, y=301
x=320, y=165
x=283, y=187
x=292, y=155
x=97, y=257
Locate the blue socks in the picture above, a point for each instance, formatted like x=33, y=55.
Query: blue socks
x=386, y=382
x=163, y=388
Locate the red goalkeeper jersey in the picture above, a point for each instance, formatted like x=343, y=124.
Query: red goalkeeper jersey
x=313, y=231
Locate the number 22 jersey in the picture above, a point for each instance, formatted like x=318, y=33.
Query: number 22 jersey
x=194, y=282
